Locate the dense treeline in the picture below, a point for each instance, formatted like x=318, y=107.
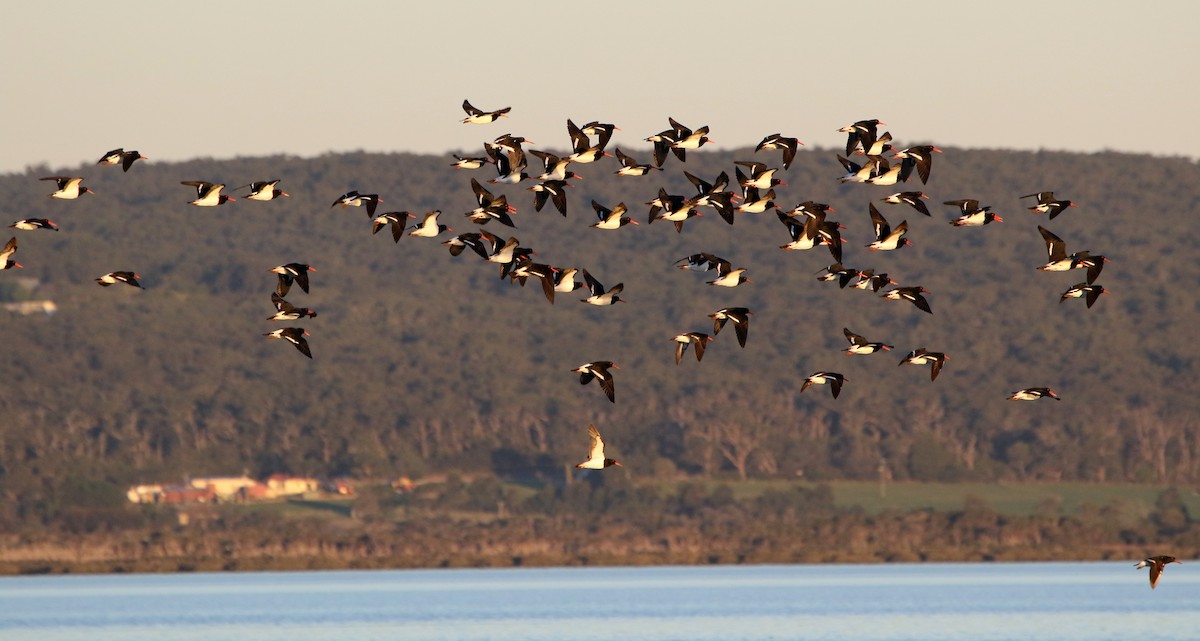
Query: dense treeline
x=424, y=362
x=487, y=523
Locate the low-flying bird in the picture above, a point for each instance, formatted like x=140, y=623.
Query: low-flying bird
x=264, y=190
x=208, y=194
x=429, y=226
x=6, y=255
x=553, y=190
x=835, y=381
x=292, y=272
x=477, y=116
x=463, y=162
x=29, y=224
x=739, y=316
x=972, y=214
x=779, y=141
x=596, y=459
x=1033, y=394
x=122, y=157
x=354, y=199
x=598, y=370
x=1059, y=261
x=598, y=294
x=1078, y=290
x=69, y=187
x=860, y=345
x=631, y=167
x=293, y=335
x=922, y=156
x=922, y=356
x=1048, y=204
x=886, y=238
x=396, y=220
x=112, y=278
x=861, y=133
x=837, y=272
x=285, y=311
x=912, y=295
x=1156, y=564
x=611, y=218
x=911, y=198
x=698, y=340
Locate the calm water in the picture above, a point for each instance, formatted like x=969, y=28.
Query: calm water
x=976, y=602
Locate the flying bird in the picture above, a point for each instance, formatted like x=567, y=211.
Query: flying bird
x=29, y=224
x=208, y=194
x=598, y=294
x=285, y=311
x=630, y=166
x=292, y=272
x=922, y=356
x=972, y=214
x=886, y=238
x=596, y=459
x=429, y=227
x=835, y=381
x=396, y=220
x=122, y=157
x=112, y=278
x=912, y=295
x=860, y=345
x=611, y=218
x=697, y=339
x=1048, y=204
x=293, y=335
x=779, y=141
x=1033, y=394
x=598, y=370
x=355, y=199
x=739, y=316
x=264, y=190
x=1078, y=290
x=911, y=198
x=69, y=188
x=922, y=156
x=1156, y=564
x=480, y=117
x=6, y=255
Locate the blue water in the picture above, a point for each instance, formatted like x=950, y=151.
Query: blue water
x=976, y=602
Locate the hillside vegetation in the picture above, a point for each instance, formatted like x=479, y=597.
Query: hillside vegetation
x=426, y=363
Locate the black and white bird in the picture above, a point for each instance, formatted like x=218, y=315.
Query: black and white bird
x=631, y=167
x=29, y=224
x=739, y=316
x=922, y=356
x=779, y=141
x=835, y=381
x=477, y=116
x=599, y=371
x=112, y=278
x=69, y=187
x=698, y=341
x=285, y=311
x=911, y=198
x=1091, y=293
x=598, y=295
x=860, y=345
x=1033, y=394
x=611, y=218
x=1156, y=564
x=596, y=459
x=910, y=294
x=6, y=255
x=396, y=220
x=208, y=194
x=293, y=335
x=355, y=199
x=292, y=272
x=121, y=157
x=265, y=190
x=1048, y=204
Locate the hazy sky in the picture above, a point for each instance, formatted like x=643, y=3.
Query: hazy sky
x=222, y=79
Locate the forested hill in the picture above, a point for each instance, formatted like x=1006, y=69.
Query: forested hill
x=424, y=362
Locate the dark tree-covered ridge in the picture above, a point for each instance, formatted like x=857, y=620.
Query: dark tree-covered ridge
x=425, y=362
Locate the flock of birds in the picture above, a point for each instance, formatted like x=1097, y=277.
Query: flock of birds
x=808, y=224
